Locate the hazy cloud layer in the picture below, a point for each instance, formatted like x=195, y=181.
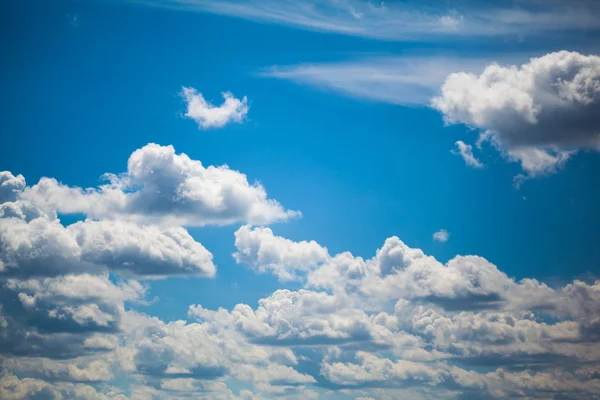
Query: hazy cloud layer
x=409, y=20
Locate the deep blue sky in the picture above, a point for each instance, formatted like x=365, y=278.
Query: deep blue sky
x=77, y=99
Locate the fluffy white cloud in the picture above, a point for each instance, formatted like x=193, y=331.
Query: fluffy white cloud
x=207, y=115
x=44, y=247
x=370, y=369
x=400, y=324
x=265, y=252
x=65, y=316
x=537, y=112
x=10, y=186
x=208, y=350
x=74, y=370
x=441, y=236
x=141, y=251
x=164, y=187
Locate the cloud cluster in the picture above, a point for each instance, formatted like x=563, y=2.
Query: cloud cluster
x=402, y=320
x=207, y=115
x=538, y=113
x=400, y=324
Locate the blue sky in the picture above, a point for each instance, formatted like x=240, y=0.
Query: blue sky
x=340, y=127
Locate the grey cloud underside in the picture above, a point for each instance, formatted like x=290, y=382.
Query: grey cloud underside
x=539, y=113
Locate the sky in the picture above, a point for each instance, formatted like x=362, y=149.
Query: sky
x=310, y=199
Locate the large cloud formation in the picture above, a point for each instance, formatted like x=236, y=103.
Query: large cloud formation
x=400, y=324
x=161, y=186
x=539, y=113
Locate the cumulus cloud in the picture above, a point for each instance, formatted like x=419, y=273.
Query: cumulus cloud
x=10, y=186
x=44, y=247
x=539, y=113
x=161, y=186
x=441, y=236
x=263, y=251
x=208, y=350
x=399, y=324
x=207, y=115
x=466, y=152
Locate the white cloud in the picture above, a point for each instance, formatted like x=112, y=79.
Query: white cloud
x=208, y=116
x=539, y=112
x=161, y=186
x=265, y=252
x=371, y=369
x=410, y=81
x=405, y=20
x=398, y=320
x=142, y=251
x=44, y=247
x=466, y=152
x=441, y=236
x=10, y=186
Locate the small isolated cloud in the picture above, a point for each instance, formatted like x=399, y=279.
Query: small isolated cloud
x=441, y=236
x=538, y=114
x=207, y=115
x=466, y=152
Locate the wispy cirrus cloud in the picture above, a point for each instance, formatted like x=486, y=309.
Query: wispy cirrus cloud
x=405, y=20
x=406, y=80
x=466, y=152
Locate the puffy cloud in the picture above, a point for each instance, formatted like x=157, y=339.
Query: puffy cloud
x=466, y=152
x=44, y=247
x=73, y=370
x=400, y=324
x=370, y=369
x=303, y=317
x=65, y=316
x=141, y=251
x=263, y=251
x=441, y=236
x=10, y=186
x=164, y=187
x=538, y=112
x=207, y=115
x=207, y=350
